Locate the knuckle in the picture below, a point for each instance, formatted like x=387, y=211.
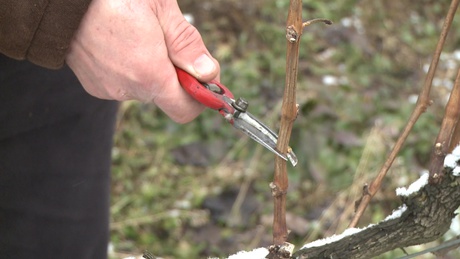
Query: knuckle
x=187, y=36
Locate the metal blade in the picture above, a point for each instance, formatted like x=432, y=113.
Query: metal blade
x=259, y=132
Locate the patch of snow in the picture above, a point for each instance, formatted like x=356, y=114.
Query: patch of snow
x=456, y=151
x=353, y=22
x=455, y=226
x=450, y=161
x=110, y=249
x=258, y=253
x=456, y=171
x=414, y=187
x=456, y=54
x=330, y=80
x=346, y=22
x=351, y=231
x=334, y=238
x=413, y=98
x=396, y=213
x=454, y=230
x=426, y=67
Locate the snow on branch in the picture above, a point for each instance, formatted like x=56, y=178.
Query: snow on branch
x=424, y=216
x=451, y=161
x=414, y=187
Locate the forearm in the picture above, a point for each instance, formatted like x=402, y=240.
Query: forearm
x=39, y=30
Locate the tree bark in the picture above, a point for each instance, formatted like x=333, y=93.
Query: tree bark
x=428, y=216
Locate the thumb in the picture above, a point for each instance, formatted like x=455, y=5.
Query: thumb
x=185, y=45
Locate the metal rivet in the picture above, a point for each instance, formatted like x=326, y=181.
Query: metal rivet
x=241, y=105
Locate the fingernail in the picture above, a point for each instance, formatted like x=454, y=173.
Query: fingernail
x=203, y=65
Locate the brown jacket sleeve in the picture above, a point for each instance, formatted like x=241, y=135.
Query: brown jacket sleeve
x=39, y=30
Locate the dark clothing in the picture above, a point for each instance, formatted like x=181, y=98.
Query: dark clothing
x=39, y=30
x=55, y=139
x=55, y=148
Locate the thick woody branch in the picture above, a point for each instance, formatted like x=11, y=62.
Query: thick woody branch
x=428, y=216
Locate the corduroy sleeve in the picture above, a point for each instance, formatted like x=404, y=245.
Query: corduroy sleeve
x=39, y=30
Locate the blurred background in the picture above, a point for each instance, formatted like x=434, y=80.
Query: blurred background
x=201, y=189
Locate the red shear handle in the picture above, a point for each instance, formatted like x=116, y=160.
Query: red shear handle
x=202, y=94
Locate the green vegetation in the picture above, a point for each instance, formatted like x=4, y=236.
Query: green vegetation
x=174, y=186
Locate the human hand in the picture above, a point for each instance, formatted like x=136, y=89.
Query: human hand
x=127, y=50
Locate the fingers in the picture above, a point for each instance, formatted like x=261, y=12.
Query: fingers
x=175, y=102
x=164, y=89
x=185, y=45
x=124, y=51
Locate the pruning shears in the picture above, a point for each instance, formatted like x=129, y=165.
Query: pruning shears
x=216, y=96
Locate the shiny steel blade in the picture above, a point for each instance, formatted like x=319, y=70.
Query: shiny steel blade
x=259, y=132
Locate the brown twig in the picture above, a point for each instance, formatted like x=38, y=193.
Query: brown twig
x=289, y=107
x=443, y=141
x=456, y=133
x=288, y=114
x=307, y=23
x=422, y=104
